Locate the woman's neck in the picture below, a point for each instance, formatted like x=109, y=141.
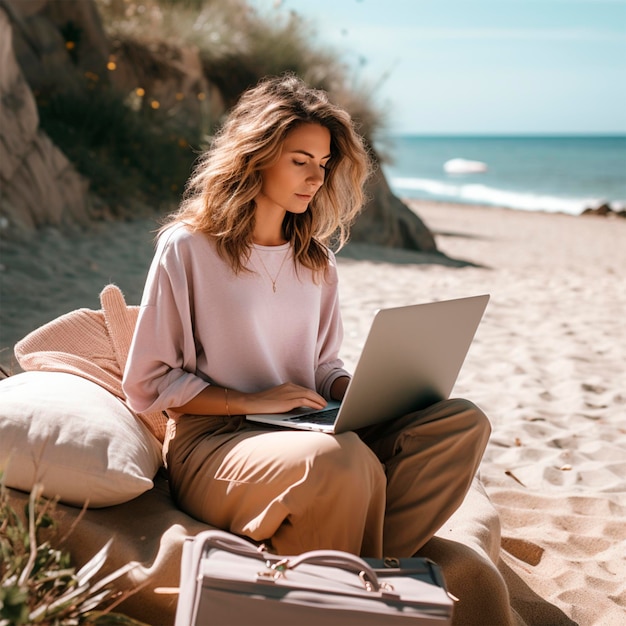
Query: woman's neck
x=268, y=227
x=279, y=241
x=268, y=236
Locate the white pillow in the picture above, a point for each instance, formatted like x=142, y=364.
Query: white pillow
x=77, y=439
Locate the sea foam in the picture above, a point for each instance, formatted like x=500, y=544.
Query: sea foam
x=483, y=194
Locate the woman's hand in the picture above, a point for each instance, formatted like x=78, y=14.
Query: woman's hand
x=214, y=400
x=281, y=399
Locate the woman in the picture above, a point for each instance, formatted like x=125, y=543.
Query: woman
x=240, y=315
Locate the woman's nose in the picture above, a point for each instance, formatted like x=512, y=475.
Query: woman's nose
x=316, y=175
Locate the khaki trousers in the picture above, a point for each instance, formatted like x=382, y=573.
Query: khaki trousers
x=383, y=490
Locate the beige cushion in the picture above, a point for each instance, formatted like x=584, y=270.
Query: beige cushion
x=76, y=438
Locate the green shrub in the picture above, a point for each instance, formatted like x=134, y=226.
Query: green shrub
x=125, y=154
x=239, y=45
x=136, y=156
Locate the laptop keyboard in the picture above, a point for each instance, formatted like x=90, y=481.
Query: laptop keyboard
x=327, y=416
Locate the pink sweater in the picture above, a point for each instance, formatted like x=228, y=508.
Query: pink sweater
x=199, y=323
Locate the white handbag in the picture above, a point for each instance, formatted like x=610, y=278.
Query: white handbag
x=228, y=581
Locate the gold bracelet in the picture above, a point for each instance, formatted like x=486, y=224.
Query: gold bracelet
x=226, y=401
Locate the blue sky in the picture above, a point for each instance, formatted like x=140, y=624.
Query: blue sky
x=482, y=66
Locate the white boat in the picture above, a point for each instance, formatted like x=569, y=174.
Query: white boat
x=464, y=166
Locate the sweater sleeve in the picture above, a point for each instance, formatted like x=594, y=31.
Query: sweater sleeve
x=330, y=336
x=161, y=366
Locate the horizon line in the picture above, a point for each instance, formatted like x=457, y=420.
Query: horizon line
x=581, y=134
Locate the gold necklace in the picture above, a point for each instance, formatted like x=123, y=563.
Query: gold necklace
x=273, y=280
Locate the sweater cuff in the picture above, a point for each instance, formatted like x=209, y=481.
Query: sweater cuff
x=327, y=382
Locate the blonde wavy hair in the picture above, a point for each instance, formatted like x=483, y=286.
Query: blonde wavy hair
x=219, y=197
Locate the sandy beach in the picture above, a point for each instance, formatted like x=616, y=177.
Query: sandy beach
x=547, y=366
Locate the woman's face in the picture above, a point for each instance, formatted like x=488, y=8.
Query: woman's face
x=290, y=183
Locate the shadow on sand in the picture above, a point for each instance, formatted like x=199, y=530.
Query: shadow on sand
x=400, y=256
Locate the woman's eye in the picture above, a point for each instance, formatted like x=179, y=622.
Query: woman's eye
x=299, y=162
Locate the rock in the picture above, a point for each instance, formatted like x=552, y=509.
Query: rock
x=40, y=186
x=387, y=221
x=464, y=166
x=604, y=210
x=59, y=44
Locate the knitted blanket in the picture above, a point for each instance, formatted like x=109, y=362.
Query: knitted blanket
x=91, y=344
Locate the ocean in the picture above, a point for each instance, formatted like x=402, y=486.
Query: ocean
x=558, y=174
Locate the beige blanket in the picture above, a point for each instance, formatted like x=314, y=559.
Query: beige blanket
x=150, y=531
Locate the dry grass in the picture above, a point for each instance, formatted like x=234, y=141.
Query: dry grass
x=38, y=584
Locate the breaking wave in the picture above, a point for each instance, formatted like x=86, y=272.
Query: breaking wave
x=482, y=194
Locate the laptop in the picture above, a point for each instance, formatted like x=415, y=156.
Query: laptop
x=411, y=359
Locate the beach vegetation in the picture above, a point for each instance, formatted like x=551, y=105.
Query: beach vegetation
x=128, y=156
x=39, y=584
x=134, y=147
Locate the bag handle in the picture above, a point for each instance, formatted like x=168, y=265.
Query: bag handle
x=334, y=558
x=221, y=540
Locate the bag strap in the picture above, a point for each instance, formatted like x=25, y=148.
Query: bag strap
x=221, y=540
